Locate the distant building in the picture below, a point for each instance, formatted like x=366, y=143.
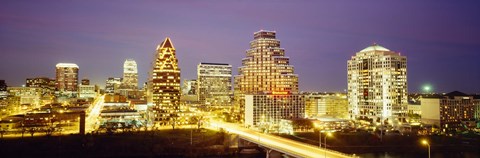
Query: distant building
x=28, y=95
x=189, y=87
x=214, y=84
x=112, y=85
x=377, y=85
x=326, y=104
x=47, y=84
x=66, y=77
x=266, y=110
x=164, y=84
x=189, y=91
x=85, y=81
x=130, y=75
x=414, y=109
x=86, y=91
x=3, y=89
x=264, y=70
x=450, y=112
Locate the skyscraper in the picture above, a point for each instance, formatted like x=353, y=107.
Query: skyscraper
x=214, y=82
x=66, y=77
x=265, y=70
x=164, y=83
x=112, y=85
x=130, y=75
x=377, y=85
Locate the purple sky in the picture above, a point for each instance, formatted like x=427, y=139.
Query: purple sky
x=441, y=39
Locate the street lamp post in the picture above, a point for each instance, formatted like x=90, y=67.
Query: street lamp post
x=327, y=135
x=319, y=139
x=425, y=142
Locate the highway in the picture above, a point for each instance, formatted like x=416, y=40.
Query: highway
x=283, y=145
x=92, y=117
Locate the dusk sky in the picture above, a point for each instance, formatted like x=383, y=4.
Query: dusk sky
x=441, y=39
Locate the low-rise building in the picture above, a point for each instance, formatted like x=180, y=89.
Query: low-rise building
x=266, y=110
x=449, y=112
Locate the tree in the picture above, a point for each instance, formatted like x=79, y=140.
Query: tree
x=197, y=120
x=173, y=120
x=3, y=131
x=32, y=131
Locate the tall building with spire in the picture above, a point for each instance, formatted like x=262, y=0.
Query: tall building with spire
x=130, y=75
x=265, y=71
x=377, y=85
x=164, y=84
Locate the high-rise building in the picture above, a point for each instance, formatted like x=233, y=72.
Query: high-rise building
x=67, y=77
x=130, y=75
x=265, y=70
x=214, y=82
x=377, y=85
x=164, y=84
x=112, y=85
x=266, y=111
x=450, y=112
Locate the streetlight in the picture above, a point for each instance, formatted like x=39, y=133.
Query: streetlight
x=425, y=142
x=327, y=135
x=319, y=139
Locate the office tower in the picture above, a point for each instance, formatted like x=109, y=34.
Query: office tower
x=265, y=70
x=86, y=91
x=85, y=81
x=130, y=75
x=377, y=85
x=214, y=82
x=66, y=77
x=164, y=83
x=451, y=112
x=112, y=85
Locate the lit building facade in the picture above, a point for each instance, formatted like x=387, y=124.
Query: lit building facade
x=47, y=84
x=86, y=91
x=112, y=85
x=326, y=104
x=450, y=112
x=3, y=89
x=130, y=75
x=266, y=110
x=189, y=87
x=28, y=95
x=264, y=70
x=66, y=77
x=164, y=84
x=377, y=85
x=214, y=84
x=85, y=81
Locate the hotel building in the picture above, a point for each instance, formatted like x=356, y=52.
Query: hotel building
x=377, y=85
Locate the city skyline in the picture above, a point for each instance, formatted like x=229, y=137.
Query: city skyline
x=441, y=45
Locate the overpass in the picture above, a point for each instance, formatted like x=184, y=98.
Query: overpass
x=279, y=144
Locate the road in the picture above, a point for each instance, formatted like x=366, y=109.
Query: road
x=92, y=117
x=283, y=145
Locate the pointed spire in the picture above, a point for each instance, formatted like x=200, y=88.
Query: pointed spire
x=167, y=43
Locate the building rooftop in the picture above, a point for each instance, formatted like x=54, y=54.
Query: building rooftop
x=374, y=47
x=67, y=65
